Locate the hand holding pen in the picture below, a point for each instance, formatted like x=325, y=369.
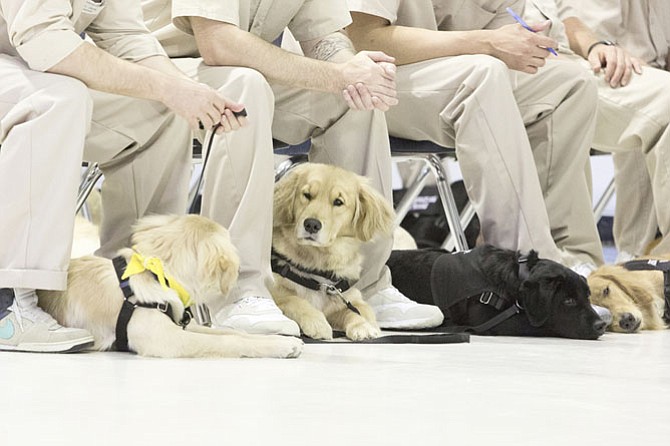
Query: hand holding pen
x=519, y=49
x=521, y=22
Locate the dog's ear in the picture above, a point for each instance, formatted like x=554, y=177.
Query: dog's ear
x=284, y=197
x=535, y=300
x=373, y=215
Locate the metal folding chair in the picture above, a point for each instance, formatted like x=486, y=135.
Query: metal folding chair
x=432, y=156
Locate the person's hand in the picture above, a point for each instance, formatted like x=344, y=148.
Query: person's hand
x=369, y=79
x=521, y=49
x=203, y=106
x=617, y=64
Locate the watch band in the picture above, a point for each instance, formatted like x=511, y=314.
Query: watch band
x=600, y=42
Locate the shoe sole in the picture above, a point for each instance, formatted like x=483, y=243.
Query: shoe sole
x=59, y=347
x=415, y=324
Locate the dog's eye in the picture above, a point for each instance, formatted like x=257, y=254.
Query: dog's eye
x=307, y=195
x=570, y=302
x=338, y=202
x=606, y=291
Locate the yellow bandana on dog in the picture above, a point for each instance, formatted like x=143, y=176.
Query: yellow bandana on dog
x=138, y=264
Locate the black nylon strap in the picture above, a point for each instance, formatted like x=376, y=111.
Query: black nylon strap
x=655, y=265
x=128, y=308
x=285, y=268
x=432, y=338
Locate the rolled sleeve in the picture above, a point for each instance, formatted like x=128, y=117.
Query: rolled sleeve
x=227, y=11
x=318, y=18
x=386, y=9
x=119, y=29
x=40, y=31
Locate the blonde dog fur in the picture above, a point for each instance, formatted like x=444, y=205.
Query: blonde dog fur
x=198, y=254
x=635, y=298
x=350, y=212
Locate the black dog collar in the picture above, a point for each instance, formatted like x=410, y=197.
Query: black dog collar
x=128, y=307
x=333, y=285
x=655, y=265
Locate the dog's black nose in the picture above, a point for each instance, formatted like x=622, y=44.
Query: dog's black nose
x=312, y=225
x=628, y=322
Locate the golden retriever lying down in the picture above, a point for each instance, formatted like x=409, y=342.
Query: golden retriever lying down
x=322, y=216
x=197, y=259
x=636, y=299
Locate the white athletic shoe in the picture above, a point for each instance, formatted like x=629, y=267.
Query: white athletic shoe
x=604, y=313
x=256, y=315
x=33, y=330
x=394, y=310
x=583, y=269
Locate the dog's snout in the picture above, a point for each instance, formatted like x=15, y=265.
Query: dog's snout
x=312, y=225
x=628, y=322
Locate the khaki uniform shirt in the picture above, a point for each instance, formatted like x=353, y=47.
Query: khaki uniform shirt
x=44, y=32
x=306, y=19
x=642, y=27
x=442, y=15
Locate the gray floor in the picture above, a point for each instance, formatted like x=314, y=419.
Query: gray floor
x=492, y=391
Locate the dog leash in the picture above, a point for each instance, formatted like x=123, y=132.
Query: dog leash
x=410, y=338
x=335, y=286
x=655, y=265
x=128, y=307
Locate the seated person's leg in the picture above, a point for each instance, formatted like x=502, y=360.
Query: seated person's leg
x=43, y=122
x=238, y=192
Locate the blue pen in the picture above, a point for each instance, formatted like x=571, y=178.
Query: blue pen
x=525, y=25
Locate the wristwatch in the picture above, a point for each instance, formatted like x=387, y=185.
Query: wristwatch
x=600, y=42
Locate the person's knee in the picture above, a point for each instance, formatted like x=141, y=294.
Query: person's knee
x=247, y=84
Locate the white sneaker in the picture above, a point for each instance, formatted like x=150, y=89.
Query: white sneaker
x=604, y=313
x=33, y=330
x=583, y=269
x=394, y=310
x=256, y=315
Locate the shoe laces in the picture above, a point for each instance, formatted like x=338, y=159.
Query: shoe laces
x=37, y=316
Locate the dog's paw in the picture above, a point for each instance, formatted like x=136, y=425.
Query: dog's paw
x=317, y=327
x=362, y=330
x=288, y=346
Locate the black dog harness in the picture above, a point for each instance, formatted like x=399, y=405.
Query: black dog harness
x=313, y=279
x=461, y=274
x=128, y=307
x=655, y=265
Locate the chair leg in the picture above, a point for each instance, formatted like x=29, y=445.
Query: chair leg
x=410, y=195
x=448, y=201
x=605, y=198
x=91, y=177
x=467, y=215
x=285, y=166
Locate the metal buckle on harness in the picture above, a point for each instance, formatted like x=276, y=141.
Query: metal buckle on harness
x=486, y=297
x=162, y=307
x=330, y=289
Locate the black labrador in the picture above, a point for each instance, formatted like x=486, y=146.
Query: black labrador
x=492, y=291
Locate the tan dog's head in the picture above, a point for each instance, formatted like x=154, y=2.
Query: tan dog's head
x=323, y=203
x=629, y=295
x=195, y=250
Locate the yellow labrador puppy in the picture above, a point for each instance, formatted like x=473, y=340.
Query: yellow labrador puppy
x=139, y=302
x=322, y=216
x=636, y=298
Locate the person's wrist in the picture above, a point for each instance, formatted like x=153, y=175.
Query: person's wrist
x=599, y=42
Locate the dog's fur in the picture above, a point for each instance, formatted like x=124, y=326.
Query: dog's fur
x=196, y=252
x=555, y=300
x=635, y=298
x=350, y=212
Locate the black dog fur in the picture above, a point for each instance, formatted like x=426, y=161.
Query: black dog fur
x=553, y=298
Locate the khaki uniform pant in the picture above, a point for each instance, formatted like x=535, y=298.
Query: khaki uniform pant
x=633, y=122
x=46, y=120
x=522, y=143
x=239, y=180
